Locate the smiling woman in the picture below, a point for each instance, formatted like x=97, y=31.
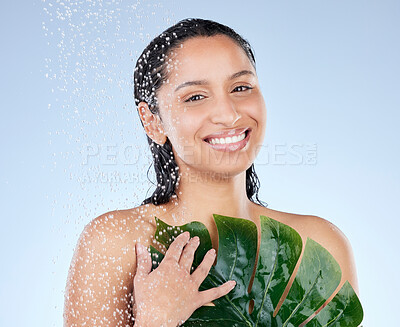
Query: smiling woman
x=209, y=101
x=201, y=106
x=178, y=60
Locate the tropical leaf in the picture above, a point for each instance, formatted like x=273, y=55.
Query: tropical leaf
x=317, y=277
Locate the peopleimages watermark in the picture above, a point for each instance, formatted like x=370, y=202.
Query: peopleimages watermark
x=280, y=154
x=111, y=154
x=111, y=177
x=291, y=154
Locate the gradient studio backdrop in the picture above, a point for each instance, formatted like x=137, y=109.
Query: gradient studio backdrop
x=73, y=148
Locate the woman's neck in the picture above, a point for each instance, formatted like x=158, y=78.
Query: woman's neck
x=201, y=195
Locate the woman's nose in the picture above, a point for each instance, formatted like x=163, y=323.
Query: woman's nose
x=225, y=112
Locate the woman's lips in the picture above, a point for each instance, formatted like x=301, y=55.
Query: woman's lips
x=229, y=147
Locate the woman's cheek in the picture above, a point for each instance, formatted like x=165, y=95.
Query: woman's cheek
x=255, y=104
x=194, y=117
x=182, y=130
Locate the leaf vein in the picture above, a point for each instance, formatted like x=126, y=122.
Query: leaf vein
x=304, y=298
x=269, y=282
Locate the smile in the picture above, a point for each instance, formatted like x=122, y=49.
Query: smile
x=227, y=140
x=229, y=143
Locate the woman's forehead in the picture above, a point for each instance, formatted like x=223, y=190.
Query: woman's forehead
x=206, y=57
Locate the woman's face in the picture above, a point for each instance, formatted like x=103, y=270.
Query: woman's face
x=211, y=106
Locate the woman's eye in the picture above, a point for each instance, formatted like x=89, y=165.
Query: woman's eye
x=241, y=88
x=195, y=98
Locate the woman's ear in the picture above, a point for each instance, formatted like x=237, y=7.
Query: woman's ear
x=152, y=124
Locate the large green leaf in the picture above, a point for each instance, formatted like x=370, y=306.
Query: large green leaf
x=317, y=278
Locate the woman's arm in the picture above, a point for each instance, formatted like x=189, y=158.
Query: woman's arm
x=104, y=271
x=99, y=285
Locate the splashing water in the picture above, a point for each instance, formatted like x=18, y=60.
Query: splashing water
x=101, y=149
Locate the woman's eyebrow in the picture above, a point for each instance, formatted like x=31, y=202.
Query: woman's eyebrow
x=190, y=83
x=204, y=82
x=241, y=73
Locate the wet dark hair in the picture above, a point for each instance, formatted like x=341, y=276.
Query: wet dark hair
x=150, y=73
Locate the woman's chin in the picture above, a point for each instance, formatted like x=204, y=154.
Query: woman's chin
x=223, y=171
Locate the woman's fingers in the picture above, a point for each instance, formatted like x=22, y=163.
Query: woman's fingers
x=216, y=292
x=143, y=260
x=187, y=256
x=202, y=270
x=175, y=249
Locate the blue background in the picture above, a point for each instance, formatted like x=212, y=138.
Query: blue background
x=73, y=148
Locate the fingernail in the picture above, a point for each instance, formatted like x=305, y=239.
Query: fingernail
x=139, y=248
x=196, y=239
x=212, y=251
x=233, y=283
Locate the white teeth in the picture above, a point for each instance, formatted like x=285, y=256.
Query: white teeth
x=227, y=140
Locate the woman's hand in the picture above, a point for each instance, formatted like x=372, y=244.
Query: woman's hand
x=169, y=295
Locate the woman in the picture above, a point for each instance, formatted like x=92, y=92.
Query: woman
x=201, y=106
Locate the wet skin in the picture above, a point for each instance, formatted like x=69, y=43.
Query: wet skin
x=225, y=96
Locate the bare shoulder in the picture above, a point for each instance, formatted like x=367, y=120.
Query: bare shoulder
x=114, y=234
x=325, y=233
x=317, y=228
x=111, y=238
x=119, y=226
x=99, y=285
